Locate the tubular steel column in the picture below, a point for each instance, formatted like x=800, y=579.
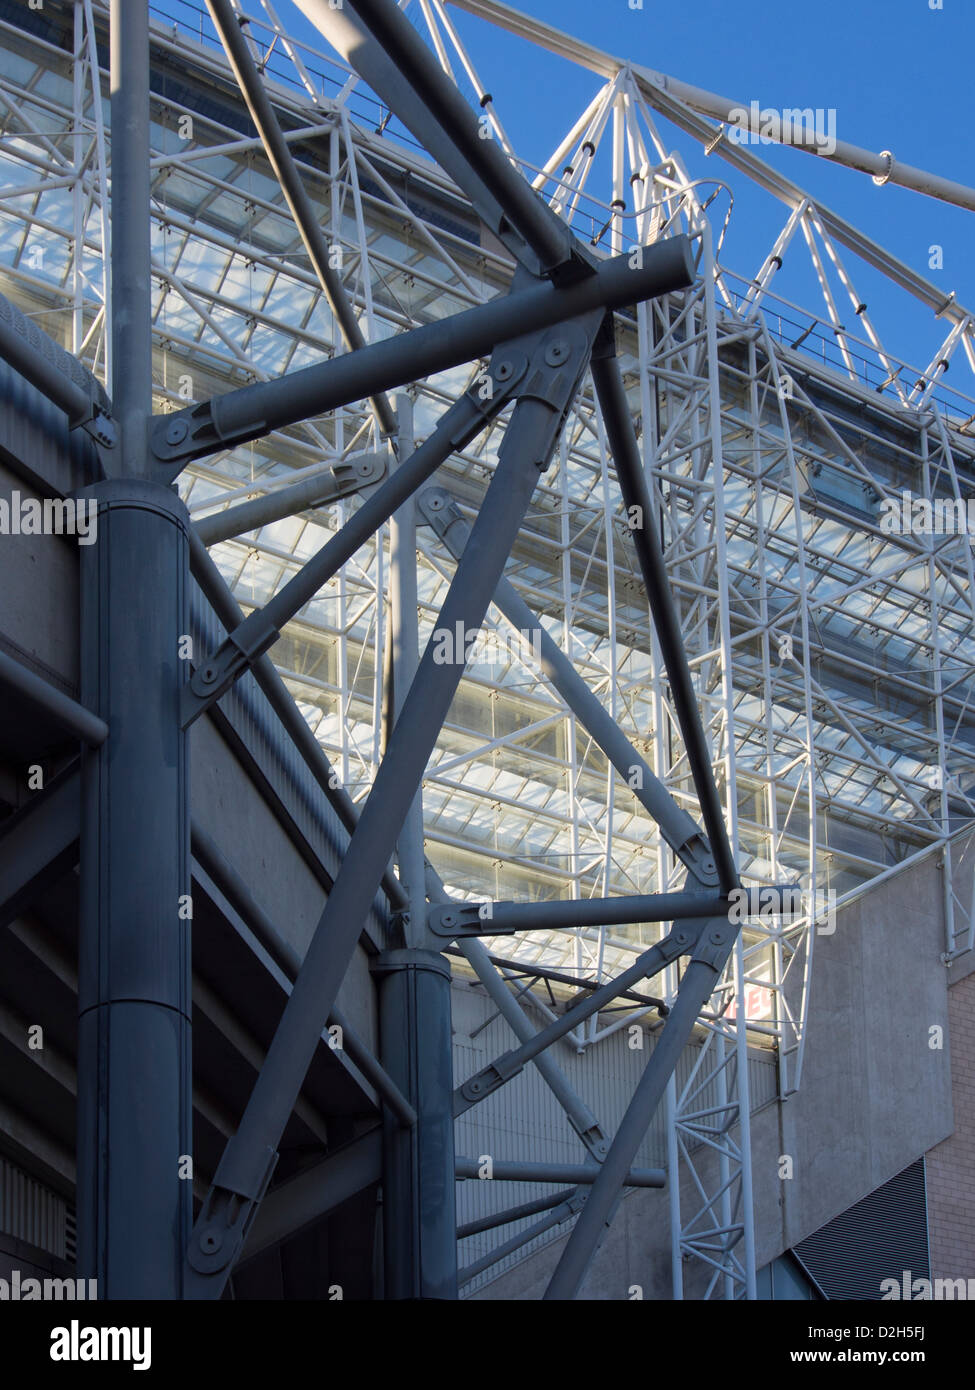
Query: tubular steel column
x=419, y=1205
x=134, y=1075
x=419, y=1212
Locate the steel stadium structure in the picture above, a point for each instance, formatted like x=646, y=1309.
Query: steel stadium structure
x=646, y=639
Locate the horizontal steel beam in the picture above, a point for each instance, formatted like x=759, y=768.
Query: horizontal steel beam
x=68, y=713
x=504, y=1171
x=499, y=919
x=254, y=411
x=456, y=920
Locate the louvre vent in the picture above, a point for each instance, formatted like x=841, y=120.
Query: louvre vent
x=878, y=1238
x=30, y=1211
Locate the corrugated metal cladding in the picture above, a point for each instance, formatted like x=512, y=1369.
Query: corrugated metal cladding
x=879, y=1238
x=30, y=1211
x=524, y=1121
x=70, y=1234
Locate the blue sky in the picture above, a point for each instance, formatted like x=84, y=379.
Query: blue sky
x=893, y=70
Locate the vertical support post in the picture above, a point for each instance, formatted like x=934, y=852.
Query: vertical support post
x=673, y=1192
x=419, y=1211
x=742, y=1087
x=131, y=293
x=745, y=1129
x=134, y=1067
x=406, y=661
x=77, y=187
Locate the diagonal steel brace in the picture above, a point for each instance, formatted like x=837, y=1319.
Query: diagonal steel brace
x=677, y=827
x=490, y=1078
x=261, y=629
x=714, y=941
x=557, y=359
